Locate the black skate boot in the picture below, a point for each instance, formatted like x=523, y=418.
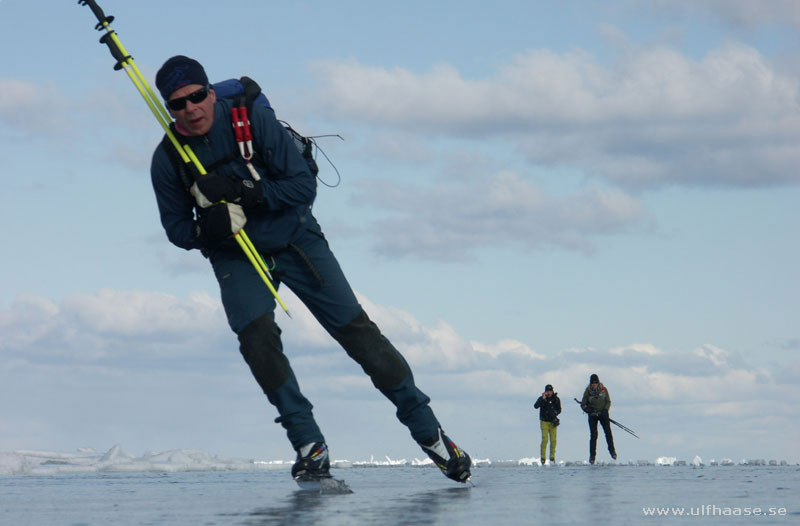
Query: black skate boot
x=454, y=462
x=312, y=462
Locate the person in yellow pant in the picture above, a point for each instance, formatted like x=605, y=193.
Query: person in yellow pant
x=549, y=406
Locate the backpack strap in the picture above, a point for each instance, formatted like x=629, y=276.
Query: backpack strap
x=244, y=93
x=251, y=90
x=241, y=122
x=187, y=173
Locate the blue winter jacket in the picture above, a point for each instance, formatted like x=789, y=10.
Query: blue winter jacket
x=288, y=186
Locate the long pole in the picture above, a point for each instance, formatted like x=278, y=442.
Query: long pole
x=125, y=61
x=611, y=420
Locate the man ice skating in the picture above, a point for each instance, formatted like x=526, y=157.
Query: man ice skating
x=549, y=406
x=596, y=402
x=277, y=211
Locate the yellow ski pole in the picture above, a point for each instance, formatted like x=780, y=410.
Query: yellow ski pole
x=125, y=61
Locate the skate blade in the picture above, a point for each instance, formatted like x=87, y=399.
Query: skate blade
x=324, y=485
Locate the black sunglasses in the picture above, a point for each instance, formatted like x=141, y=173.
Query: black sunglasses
x=195, y=97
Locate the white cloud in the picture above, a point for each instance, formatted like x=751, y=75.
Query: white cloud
x=745, y=14
x=144, y=357
x=131, y=313
x=647, y=386
x=121, y=325
x=439, y=346
x=448, y=222
x=506, y=346
x=29, y=108
x=643, y=348
x=652, y=119
x=713, y=353
x=656, y=117
x=111, y=325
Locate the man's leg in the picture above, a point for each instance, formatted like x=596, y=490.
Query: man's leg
x=609, y=436
x=249, y=307
x=592, y=438
x=261, y=348
x=310, y=269
x=553, y=440
x=390, y=374
x=386, y=366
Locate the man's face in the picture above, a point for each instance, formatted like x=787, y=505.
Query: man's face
x=195, y=118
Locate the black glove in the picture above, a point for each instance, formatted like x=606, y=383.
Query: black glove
x=220, y=222
x=213, y=188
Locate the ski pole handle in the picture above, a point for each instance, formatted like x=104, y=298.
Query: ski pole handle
x=116, y=52
x=109, y=38
x=102, y=19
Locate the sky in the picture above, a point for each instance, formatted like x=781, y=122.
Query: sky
x=530, y=192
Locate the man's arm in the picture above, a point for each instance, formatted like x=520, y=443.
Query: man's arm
x=585, y=400
x=175, y=205
x=289, y=182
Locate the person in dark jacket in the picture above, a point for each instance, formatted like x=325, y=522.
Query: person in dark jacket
x=596, y=402
x=549, y=406
x=276, y=206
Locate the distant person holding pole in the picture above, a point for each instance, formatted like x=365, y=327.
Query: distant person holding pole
x=596, y=402
x=549, y=407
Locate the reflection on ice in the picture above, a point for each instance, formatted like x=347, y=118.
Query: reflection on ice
x=87, y=460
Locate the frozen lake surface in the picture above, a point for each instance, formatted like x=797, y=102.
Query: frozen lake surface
x=409, y=495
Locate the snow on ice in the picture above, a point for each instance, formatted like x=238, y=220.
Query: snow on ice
x=87, y=460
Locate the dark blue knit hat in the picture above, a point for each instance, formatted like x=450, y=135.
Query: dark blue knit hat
x=177, y=72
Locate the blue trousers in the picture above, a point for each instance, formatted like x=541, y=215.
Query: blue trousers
x=310, y=270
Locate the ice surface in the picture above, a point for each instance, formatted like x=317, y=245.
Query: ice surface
x=213, y=491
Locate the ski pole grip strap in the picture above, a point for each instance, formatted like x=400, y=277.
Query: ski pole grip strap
x=102, y=19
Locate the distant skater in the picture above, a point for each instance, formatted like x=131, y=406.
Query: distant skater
x=549, y=407
x=596, y=402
